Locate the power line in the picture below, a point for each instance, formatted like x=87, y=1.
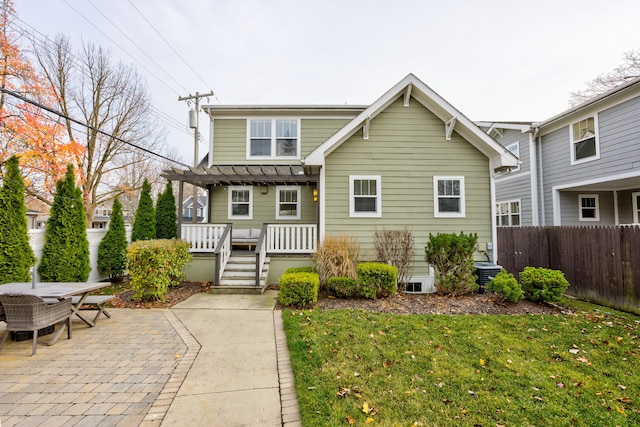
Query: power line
x=170, y=46
x=51, y=110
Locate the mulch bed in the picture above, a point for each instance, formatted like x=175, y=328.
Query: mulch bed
x=400, y=303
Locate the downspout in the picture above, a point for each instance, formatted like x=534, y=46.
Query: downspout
x=494, y=230
x=533, y=167
x=543, y=220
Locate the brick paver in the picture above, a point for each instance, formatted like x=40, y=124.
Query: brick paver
x=111, y=375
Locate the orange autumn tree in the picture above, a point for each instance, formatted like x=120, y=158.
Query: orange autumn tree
x=35, y=135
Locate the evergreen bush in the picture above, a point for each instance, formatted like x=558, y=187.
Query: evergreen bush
x=299, y=289
x=166, y=218
x=112, y=252
x=507, y=286
x=300, y=270
x=154, y=265
x=543, y=284
x=342, y=287
x=377, y=280
x=65, y=256
x=16, y=255
x=144, y=223
x=451, y=255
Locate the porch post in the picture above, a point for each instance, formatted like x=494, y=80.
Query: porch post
x=181, y=204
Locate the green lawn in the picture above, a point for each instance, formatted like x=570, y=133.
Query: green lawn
x=357, y=367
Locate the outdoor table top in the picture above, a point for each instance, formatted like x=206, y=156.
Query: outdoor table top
x=52, y=289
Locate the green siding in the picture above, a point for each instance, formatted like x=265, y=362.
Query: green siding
x=264, y=207
x=230, y=139
x=407, y=147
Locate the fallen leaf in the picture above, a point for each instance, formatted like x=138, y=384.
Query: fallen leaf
x=471, y=392
x=624, y=399
x=619, y=409
x=583, y=360
x=350, y=420
x=177, y=356
x=538, y=398
x=343, y=392
x=365, y=408
x=370, y=420
x=560, y=385
x=574, y=351
x=482, y=362
x=381, y=333
x=619, y=340
x=622, y=387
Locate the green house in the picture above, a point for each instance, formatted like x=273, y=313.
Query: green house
x=281, y=178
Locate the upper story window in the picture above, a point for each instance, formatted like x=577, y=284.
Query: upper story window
x=584, y=140
x=240, y=202
x=515, y=150
x=273, y=138
x=365, y=196
x=589, y=207
x=448, y=194
x=508, y=213
x=288, y=202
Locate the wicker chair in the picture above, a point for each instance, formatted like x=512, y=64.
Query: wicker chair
x=30, y=313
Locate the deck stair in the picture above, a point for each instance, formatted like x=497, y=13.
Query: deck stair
x=239, y=277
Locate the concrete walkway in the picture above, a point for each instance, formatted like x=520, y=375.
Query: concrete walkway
x=213, y=360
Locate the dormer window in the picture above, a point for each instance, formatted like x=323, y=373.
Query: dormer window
x=273, y=139
x=584, y=141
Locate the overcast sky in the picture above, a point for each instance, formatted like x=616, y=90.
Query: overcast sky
x=493, y=60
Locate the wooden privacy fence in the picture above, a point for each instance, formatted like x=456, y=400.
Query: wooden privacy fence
x=601, y=263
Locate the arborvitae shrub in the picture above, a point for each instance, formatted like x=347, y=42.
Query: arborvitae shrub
x=112, y=252
x=65, y=256
x=166, y=218
x=451, y=255
x=144, y=223
x=16, y=255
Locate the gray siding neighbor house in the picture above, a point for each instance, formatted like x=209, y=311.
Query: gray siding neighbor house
x=580, y=167
x=279, y=179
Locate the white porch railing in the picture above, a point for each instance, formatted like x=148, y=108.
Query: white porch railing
x=202, y=237
x=292, y=238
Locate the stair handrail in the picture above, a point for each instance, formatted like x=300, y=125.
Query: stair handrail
x=261, y=252
x=222, y=253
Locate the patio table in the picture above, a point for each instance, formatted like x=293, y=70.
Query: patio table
x=58, y=290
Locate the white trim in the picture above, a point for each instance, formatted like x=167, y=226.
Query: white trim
x=274, y=138
x=500, y=178
x=230, y=190
x=436, y=211
x=494, y=228
x=517, y=144
x=599, y=180
x=596, y=197
x=352, y=208
x=322, y=201
x=426, y=283
x=636, y=207
x=533, y=174
x=295, y=188
x=572, y=143
x=555, y=202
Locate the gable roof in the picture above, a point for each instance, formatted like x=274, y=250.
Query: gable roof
x=412, y=87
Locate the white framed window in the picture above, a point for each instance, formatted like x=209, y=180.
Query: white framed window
x=515, y=150
x=288, y=202
x=584, y=140
x=589, y=207
x=636, y=207
x=365, y=196
x=273, y=138
x=240, y=202
x=448, y=197
x=508, y=214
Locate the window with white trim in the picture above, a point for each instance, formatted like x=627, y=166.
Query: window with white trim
x=273, y=138
x=636, y=207
x=365, y=196
x=448, y=195
x=584, y=140
x=240, y=202
x=508, y=213
x=515, y=150
x=589, y=207
x=288, y=202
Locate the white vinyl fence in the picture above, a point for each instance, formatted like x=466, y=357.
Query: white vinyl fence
x=94, y=236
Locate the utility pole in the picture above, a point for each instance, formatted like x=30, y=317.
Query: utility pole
x=193, y=124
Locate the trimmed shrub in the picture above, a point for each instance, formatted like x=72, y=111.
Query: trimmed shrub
x=166, y=218
x=112, y=252
x=300, y=270
x=65, y=256
x=16, y=255
x=336, y=257
x=154, y=265
x=144, y=223
x=377, y=280
x=451, y=255
x=543, y=284
x=342, y=287
x=299, y=289
x=396, y=247
x=507, y=286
